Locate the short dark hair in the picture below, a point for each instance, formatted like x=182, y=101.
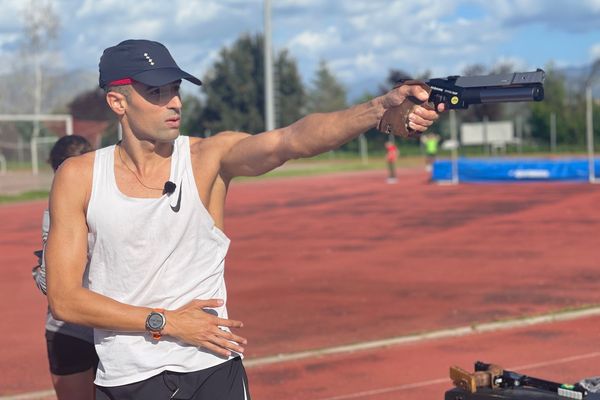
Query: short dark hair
x=125, y=90
x=68, y=146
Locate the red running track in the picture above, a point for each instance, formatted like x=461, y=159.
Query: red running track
x=346, y=258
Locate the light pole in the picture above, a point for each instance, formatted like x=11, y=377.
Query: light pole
x=454, y=137
x=589, y=119
x=268, y=57
x=590, y=134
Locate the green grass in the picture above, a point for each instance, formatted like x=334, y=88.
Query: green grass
x=331, y=162
x=323, y=165
x=26, y=196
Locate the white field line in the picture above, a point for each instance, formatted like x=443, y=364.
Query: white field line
x=439, y=334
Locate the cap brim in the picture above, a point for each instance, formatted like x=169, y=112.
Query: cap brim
x=163, y=76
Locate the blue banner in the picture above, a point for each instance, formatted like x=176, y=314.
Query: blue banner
x=515, y=169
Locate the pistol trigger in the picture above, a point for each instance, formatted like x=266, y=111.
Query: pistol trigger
x=437, y=99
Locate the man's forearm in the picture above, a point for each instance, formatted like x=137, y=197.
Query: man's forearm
x=84, y=307
x=320, y=132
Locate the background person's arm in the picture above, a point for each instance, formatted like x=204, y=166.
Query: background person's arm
x=66, y=257
x=318, y=133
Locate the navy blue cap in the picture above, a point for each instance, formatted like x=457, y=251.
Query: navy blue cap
x=143, y=61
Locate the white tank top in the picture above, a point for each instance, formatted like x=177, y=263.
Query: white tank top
x=160, y=253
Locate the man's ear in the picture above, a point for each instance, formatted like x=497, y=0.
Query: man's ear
x=117, y=102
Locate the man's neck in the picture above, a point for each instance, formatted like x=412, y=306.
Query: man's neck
x=145, y=155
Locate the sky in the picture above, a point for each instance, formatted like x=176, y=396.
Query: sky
x=361, y=40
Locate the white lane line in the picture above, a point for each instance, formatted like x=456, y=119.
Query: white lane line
x=439, y=334
x=557, y=361
x=372, y=392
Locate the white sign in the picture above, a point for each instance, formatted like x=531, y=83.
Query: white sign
x=497, y=132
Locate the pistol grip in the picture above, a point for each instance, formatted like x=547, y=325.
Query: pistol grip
x=395, y=119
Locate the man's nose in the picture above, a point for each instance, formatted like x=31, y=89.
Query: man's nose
x=175, y=102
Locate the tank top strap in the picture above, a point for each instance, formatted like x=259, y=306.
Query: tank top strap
x=103, y=173
x=181, y=158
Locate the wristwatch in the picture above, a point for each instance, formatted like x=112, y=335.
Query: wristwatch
x=156, y=322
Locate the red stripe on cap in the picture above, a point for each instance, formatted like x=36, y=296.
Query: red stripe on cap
x=126, y=81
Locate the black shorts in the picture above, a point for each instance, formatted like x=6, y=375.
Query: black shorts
x=225, y=381
x=68, y=355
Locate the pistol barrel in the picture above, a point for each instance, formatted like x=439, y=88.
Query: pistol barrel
x=503, y=95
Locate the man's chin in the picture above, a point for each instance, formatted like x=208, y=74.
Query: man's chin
x=169, y=135
x=162, y=136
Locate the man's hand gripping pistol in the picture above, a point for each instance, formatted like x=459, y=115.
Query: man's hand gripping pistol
x=457, y=92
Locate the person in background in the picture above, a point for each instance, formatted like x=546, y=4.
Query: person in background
x=391, y=156
x=431, y=142
x=71, y=353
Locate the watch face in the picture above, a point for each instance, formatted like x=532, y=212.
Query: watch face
x=155, y=321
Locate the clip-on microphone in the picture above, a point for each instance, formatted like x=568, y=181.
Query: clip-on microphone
x=169, y=187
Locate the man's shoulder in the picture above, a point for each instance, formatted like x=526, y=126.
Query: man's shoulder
x=76, y=170
x=221, y=142
x=80, y=162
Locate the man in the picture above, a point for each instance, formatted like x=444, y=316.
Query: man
x=148, y=213
x=71, y=354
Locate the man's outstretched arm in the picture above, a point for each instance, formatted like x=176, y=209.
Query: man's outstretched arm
x=318, y=133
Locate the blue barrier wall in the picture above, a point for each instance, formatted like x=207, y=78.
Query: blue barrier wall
x=515, y=169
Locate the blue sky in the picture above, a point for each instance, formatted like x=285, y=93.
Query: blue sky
x=360, y=39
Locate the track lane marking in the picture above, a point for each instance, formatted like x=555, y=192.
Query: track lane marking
x=439, y=334
x=432, y=335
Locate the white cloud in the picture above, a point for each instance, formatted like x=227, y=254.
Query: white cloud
x=574, y=16
x=91, y=8
x=189, y=13
x=359, y=39
x=10, y=16
x=383, y=39
x=366, y=62
x=314, y=41
x=295, y=3
x=593, y=4
x=9, y=39
x=151, y=28
x=517, y=63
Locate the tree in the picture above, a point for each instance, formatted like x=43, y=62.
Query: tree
x=92, y=117
x=568, y=106
x=24, y=89
x=190, y=113
x=91, y=105
x=234, y=88
x=41, y=25
x=326, y=93
x=478, y=112
x=394, y=76
x=290, y=96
